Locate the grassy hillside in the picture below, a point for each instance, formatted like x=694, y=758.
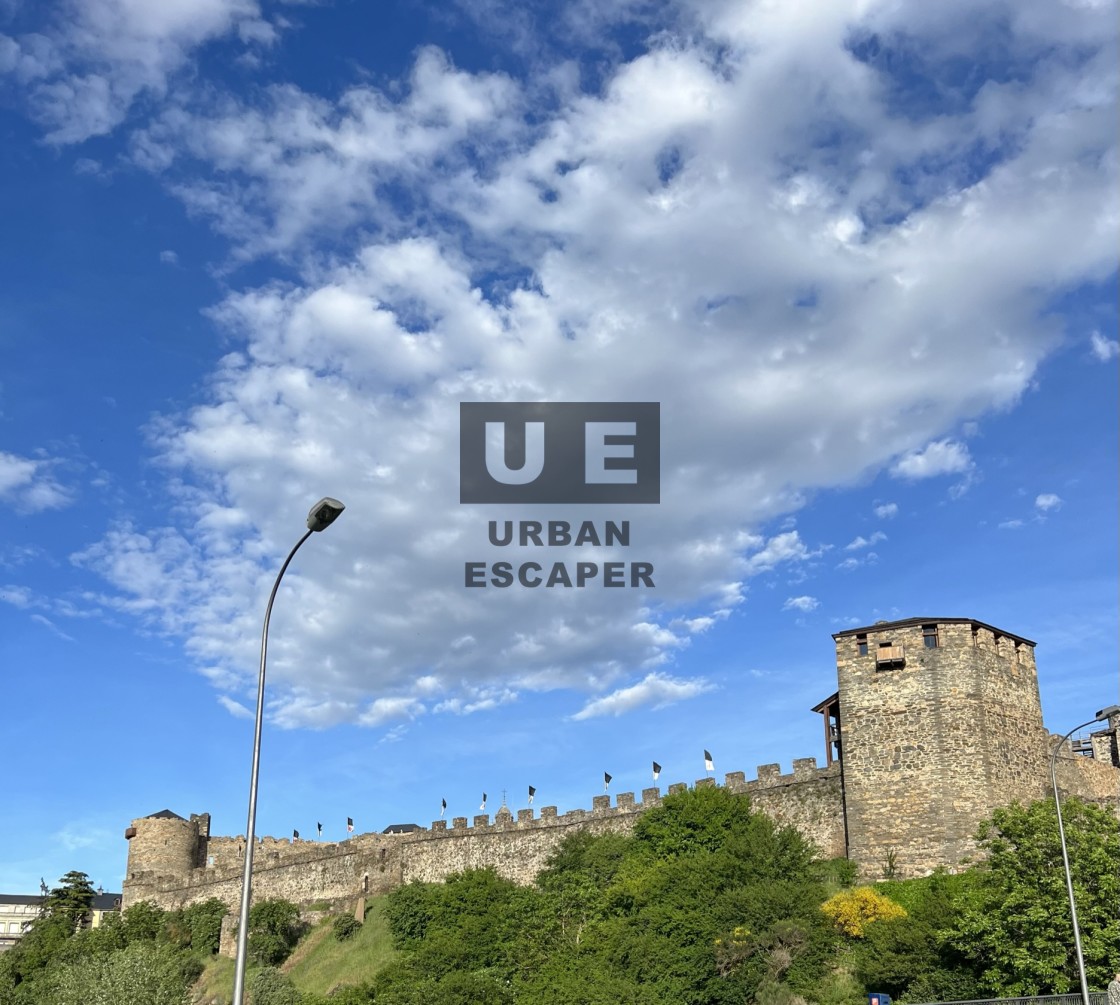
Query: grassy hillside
x=319, y=963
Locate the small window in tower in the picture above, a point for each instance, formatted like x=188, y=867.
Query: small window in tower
x=929, y=636
x=861, y=644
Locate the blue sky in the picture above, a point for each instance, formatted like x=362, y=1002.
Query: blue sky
x=863, y=254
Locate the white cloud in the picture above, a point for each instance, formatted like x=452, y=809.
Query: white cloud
x=886, y=511
x=1047, y=501
x=51, y=627
x=653, y=239
x=851, y=563
x=83, y=73
x=79, y=835
x=384, y=710
x=865, y=542
x=942, y=457
x=698, y=625
x=656, y=690
x=482, y=700
x=28, y=485
x=1103, y=348
x=168, y=257
x=805, y=604
x=1010, y=525
x=17, y=596
x=235, y=708
x=787, y=547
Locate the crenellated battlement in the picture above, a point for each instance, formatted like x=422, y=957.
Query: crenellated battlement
x=517, y=846
x=899, y=785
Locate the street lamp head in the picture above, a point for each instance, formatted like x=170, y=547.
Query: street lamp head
x=324, y=513
x=1108, y=713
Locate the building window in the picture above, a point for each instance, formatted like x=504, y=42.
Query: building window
x=929, y=636
x=861, y=644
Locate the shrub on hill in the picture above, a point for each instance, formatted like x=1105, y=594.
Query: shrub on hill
x=345, y=927
x=274, y=930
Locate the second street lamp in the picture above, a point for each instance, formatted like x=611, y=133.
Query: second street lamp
x=1104, y=713
x=322, y=515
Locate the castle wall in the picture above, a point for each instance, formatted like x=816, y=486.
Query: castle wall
x=933, y=743
x=1090, y=778
x=299, y=871
x=810, y=800
x=932, y=740
x=517, y=848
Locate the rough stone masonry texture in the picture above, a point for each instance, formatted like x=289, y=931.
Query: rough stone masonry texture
x=940, y=722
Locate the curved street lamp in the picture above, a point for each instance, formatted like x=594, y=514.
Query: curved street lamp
x=1104, y=713
x=322, y=515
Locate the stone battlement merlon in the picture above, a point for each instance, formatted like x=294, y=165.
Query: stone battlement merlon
x=224, y=854
x=804, y=770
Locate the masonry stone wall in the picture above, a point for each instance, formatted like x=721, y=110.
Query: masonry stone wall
x=515, y=847
x=935, y=740
x=1090, y=778
x=931, y=742
x=300, y=871
x=809, y=800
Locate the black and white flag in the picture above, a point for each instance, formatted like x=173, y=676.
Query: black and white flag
x=295, y=835
x=442, y=808
x=532, y=792
x=483, y=806
x=349, y=825
x=656, y=771
x=319, y=829
x=606, y=781
x=709, y=764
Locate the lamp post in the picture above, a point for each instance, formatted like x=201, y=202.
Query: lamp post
x=322, y=515
x=1104, y=713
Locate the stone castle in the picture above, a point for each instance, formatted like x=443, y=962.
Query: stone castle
x=935, y=723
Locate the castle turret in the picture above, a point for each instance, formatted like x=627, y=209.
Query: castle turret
x=940, y=723
x=162, y=845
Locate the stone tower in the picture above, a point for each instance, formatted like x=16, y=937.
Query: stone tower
x=163, y=845
x=937, y=722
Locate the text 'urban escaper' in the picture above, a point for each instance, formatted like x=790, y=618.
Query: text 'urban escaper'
x=559, y=534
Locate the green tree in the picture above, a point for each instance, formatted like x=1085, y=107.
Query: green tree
x=61, y=914
x=143, y=922
x=141, y=974
x=409, y=911
x=203, y=922
x=268, y=986
x=708, y=901
x=345, y=927
x=71, y=899
x=1017, y=932
x=274, y=930
x=913, y=958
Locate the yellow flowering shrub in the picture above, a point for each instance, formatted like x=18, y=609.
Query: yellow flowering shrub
x=852, y=910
